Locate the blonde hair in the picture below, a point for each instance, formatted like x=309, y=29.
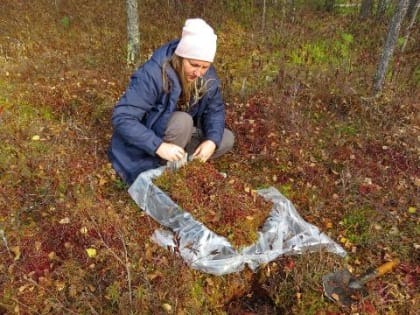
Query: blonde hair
x=190, y=90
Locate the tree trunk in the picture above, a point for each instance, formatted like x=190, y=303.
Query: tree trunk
x=264, y=14
x=133, y=33
x=366, y=9
x=292, y=11
x=283, y=9
x=381, y=9
x=329, y=5
x=411, y=15
x=413, y=9
x=389, y=46
x=288, y=10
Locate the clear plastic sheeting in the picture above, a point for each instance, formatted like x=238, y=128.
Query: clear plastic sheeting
x=284, y=231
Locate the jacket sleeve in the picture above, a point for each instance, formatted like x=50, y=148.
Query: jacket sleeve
x=213, y=118
x=129, y=113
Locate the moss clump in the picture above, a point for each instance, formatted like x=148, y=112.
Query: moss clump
x=227, y=206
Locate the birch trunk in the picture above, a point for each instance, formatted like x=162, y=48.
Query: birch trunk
x=411, y=14
x=264, y=14
x=366, y=9
x=389, y=46
x=133, y=33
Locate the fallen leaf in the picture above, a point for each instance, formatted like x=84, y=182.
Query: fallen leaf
x=66, y=220
x=412, y=209
x=23, y=288
x=102, y=181
x=167, y=307
x=343, y=240
x=72, y=291
x=60, y=285
x=52, y=255
x=154, y=275
x=335, y=296
x=83, y=230
x=38, y=245
x=91, y=252
x=16, y=250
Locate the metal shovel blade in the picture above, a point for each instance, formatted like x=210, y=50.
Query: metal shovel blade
x=337, y=288
x=343, y=288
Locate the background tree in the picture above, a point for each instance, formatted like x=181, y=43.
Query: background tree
x=381, y=9
x=366, y=8
x=412, y=11
x=329, y=5
x=389, y=46
x=264, y=14
x=288, y=9
x=133, y=33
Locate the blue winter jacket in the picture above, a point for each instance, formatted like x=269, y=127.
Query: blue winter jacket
x=141, y=115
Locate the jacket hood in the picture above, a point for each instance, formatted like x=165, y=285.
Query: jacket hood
x=164, y=52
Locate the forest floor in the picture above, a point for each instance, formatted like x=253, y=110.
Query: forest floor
x=72, y=241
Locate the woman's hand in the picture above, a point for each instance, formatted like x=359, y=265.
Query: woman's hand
x=170, y=151
x=205, y=150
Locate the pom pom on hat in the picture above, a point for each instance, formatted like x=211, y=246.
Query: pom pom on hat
x=198, y=41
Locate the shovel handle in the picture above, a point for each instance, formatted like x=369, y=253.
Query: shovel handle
x=387, y=267
x=379, y=271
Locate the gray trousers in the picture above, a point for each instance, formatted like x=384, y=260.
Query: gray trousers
x=181, y=131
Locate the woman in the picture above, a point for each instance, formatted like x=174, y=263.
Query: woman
x=172, y=106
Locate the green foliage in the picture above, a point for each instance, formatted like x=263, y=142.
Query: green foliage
x=346, y=8
x=5, y=89
x=348, y=38
x=343, y=47
x=244, y=9
x=197, y=293
x=286, y=190
x=65, y=22
x=400, y=41
x=324, y=54
x=119, y=184
x=347, y=129
x=357, y=225
x=8, y=156
x=113, y=293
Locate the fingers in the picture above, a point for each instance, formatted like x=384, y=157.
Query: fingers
x=170, y=152
x=177, y=153
x=205, y=150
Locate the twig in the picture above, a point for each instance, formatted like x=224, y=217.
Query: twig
x=127, y=267
x=92, y=309
x=59, y=302
x=24, y=305
x=109, y=248
x=3, y=236
x=126, y=264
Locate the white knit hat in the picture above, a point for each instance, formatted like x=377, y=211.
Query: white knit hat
x=198, y=41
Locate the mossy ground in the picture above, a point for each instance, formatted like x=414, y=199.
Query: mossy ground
x=297, y=98
x=227, y=206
